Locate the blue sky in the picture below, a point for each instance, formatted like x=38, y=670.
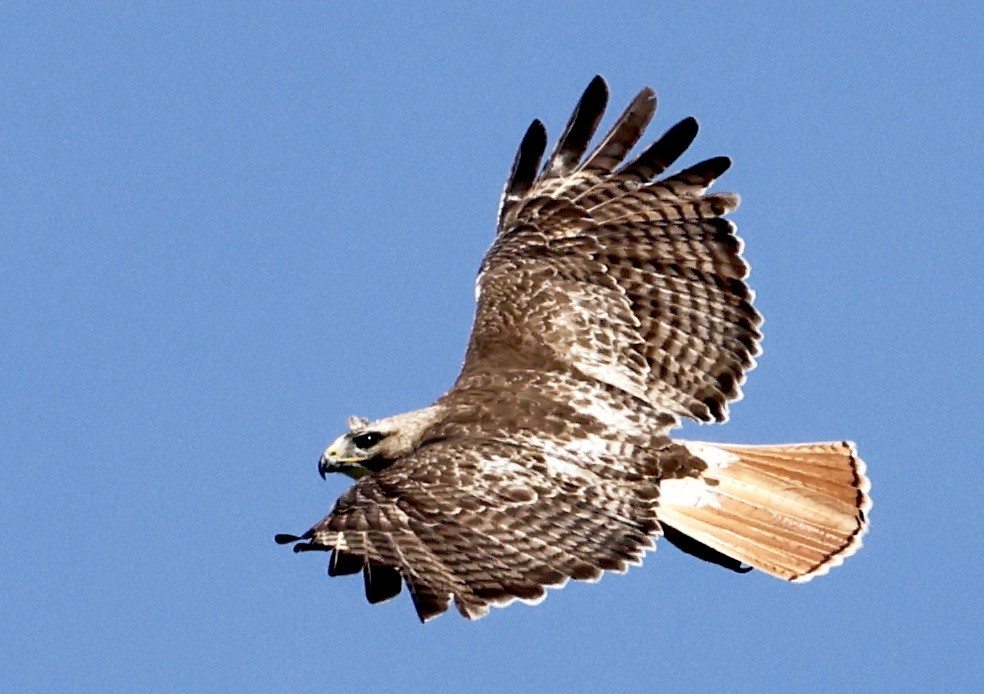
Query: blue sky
x=224, y=229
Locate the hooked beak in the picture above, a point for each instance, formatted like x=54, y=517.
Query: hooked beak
x=326, y=464
x=332, y=460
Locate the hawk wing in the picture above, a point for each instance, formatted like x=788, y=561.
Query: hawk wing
x=485, y=523
x=629, y=279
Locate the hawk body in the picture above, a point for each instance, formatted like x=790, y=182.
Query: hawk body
x=610, y=305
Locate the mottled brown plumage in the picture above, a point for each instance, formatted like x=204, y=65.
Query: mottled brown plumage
x=611, y=304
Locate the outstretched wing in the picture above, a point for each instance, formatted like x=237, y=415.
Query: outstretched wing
x=632, y=280
x=484, y=523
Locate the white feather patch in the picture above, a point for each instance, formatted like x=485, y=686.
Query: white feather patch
x=694, y=492
x=712, y=455
x=691, y=492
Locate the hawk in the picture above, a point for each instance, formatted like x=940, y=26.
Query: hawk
x=610, y=306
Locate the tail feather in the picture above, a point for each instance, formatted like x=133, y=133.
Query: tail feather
x=793, y=511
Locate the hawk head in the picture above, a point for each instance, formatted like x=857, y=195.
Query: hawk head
x=369, y=447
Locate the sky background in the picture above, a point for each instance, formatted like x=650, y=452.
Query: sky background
x=224, y=228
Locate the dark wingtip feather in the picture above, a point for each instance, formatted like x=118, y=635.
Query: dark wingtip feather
x=525, y=167
x=705, y=172
x=344, y=563
x=381, y=582
x=624, y=135
x=580, y=129
x=287, y=538
x=310, y=547
x=661, y=154
x=426, y=601
x=718, y=165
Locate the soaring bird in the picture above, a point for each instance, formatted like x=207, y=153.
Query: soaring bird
x=611, y=305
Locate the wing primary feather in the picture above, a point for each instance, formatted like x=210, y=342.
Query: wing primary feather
x=427, y=602
x=624, y=134
x=310, y=547
x=525, y=167
x=344, y=563
x=700, y=175
x=661, y=154
x=381, y=582
x=287, y=538
x=580, y=129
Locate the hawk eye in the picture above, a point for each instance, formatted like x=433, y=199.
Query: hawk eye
x=367, y=440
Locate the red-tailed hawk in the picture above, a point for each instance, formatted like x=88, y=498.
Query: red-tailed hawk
x=611, y=304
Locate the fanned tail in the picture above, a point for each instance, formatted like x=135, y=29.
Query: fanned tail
x=794, y=511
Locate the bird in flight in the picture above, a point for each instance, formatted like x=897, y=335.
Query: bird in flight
x=610, y=306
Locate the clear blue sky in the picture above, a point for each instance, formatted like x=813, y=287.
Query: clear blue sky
x=225, y=230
